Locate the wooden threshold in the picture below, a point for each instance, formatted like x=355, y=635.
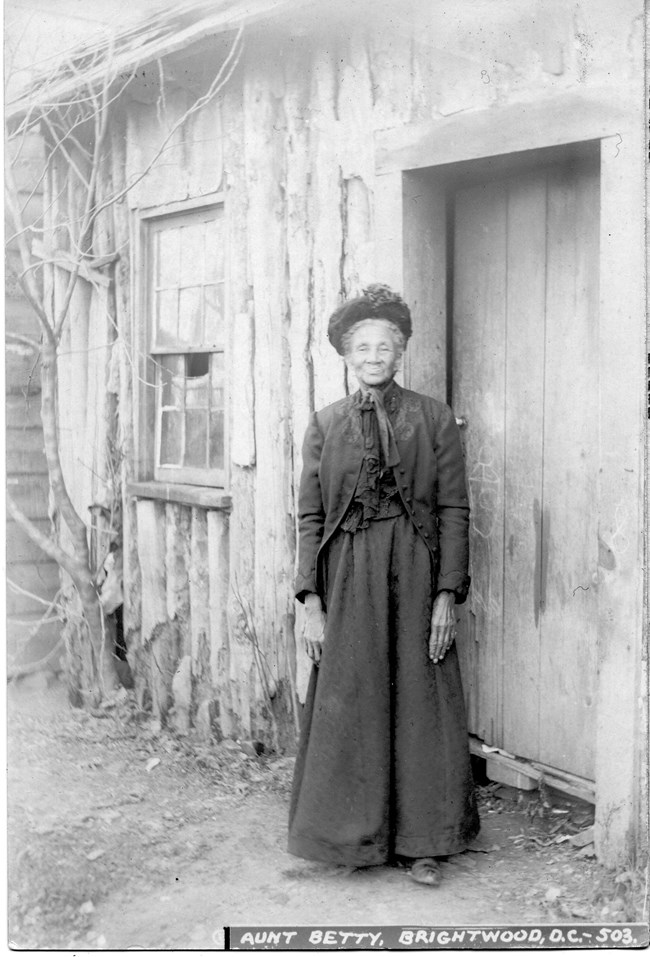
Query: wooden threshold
x=508, y=770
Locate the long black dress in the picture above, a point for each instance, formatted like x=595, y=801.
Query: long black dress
x=383, y=763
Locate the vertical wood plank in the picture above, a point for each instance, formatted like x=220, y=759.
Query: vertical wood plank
x=225, y=683
x=231, y=678
x=151, y=551
x=569, y=521
x=479, y=395
x=198, y=577
x=621, y=725
x=391, y=55
x=526, y=259
x=271, y=598
x=324, y=210
x=389, y=226
x=177, y=564
x=425, y=284
x=300, y=249
x=242, y=442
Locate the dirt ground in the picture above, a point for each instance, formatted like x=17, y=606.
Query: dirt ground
x=125, y=836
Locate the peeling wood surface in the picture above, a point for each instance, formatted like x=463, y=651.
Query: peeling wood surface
x=311, y=217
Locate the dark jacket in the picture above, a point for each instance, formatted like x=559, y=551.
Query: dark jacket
x=430, y=479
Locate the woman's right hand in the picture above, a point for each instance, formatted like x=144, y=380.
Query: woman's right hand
x=314, y=628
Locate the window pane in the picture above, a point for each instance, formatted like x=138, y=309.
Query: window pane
x=214, y=326
x=168, y=257
x=196, y=439
x=217, y=400
x=171, y=369
x=190, y=325
x=197, y=392
x=192, y=246
x=171, y=438
x=214, y=264
x=197, y=364
x=166, y=317
x=216, y=439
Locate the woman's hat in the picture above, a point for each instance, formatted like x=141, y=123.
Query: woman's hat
x=376, y=301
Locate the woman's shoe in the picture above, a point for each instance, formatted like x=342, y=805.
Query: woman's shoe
x=425, y=870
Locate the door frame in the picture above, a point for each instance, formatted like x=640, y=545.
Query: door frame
x=407, y=218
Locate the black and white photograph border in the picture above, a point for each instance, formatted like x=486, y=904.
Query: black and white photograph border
x=397, y=581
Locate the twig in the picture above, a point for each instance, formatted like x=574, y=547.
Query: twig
x=250, y=633
x=31, y=344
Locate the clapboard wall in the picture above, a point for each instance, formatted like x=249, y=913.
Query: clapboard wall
x=33, y=578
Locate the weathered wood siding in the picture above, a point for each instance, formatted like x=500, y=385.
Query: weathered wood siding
x=315, y=210
x=33, y=577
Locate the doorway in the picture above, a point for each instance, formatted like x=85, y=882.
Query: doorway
x=520, y=244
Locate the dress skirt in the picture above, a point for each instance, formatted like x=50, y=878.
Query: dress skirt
x=383, y=765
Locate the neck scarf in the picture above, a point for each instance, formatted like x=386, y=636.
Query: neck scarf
x=372, y=399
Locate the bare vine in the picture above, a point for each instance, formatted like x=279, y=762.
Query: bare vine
x=71, y=108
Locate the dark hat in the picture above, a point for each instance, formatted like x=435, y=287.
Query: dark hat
x=375, y=302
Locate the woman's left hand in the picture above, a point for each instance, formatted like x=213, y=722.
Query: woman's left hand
x=443, y=625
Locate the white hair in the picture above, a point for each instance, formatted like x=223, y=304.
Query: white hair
x=398, y=336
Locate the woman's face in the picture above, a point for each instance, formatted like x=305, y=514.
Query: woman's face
x=373, y=354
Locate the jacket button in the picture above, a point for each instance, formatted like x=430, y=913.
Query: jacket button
x=405, y=487
x=419, y=524
x=426, y=534
x=402, y=471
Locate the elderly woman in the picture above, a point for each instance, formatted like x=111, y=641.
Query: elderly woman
x=383, y=771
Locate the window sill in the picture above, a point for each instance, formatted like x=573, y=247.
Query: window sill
x=197, y=495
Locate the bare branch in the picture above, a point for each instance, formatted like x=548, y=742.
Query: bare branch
x=35, y=303
x=47, y=544
x=25, y=256
x=15, y=338
x=225, y=72
x=59, y=146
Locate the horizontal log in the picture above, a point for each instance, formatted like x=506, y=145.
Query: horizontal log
x=21, y=318
x=22, y=413
x=496, y=131
x=20, y=547
x=23, y=649
x=41, y=580
x=22, y=371
x=86, y=269
x=25, y=461
x=183, y=494
x=32, y=498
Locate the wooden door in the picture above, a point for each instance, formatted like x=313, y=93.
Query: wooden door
x=524, y=376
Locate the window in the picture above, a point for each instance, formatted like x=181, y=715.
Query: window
x=185, y=306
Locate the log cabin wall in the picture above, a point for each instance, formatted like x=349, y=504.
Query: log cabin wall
x=32, y=577
x=290, y=147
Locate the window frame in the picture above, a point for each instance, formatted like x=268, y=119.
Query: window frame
x=176, y=482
